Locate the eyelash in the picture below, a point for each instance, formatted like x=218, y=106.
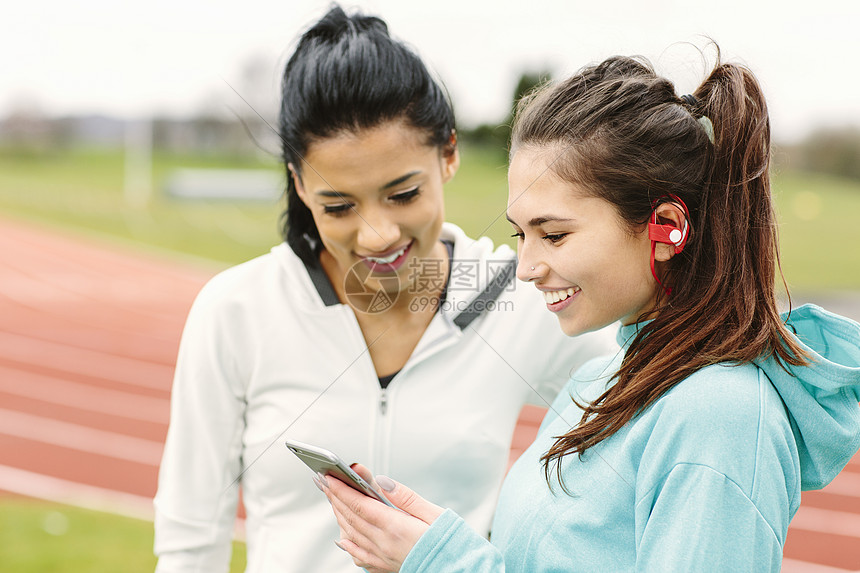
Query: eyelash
x=337, y=210
x=406, y=196
x=344, y=209
x=552, y=238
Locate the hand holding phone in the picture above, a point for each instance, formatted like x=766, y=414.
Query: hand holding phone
x=325, y=462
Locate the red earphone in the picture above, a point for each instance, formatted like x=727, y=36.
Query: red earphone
x=668, y=234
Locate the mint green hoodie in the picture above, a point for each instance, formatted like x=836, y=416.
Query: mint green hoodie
x=705, y=479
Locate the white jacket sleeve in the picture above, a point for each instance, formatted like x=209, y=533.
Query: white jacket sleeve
x=195, y=507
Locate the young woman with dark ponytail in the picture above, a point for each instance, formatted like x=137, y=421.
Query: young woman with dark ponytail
x=376, y=330
x=689, y=449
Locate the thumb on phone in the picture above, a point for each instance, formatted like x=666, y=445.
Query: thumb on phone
x=400, y=495
x=408, y=500
x=365, y=474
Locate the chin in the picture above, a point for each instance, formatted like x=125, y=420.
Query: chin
x=570, y=328
x=577, y=327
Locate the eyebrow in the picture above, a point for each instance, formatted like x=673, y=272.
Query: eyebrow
x=538, y=221
x=401, y=179
x=389, y=185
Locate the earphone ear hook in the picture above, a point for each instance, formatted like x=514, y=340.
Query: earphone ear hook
x=669, y=234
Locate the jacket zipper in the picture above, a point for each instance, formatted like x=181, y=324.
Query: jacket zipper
x=383, y=401
x=381, y=441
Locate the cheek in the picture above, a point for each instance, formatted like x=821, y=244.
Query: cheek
x=617, y=264
x=429, y=214
x=635, y=274
x=333, y=232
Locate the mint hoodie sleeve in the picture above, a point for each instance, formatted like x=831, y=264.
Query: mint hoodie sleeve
x=679, y=533
x=452, y=546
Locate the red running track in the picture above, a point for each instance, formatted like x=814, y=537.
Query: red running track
x=88, y=339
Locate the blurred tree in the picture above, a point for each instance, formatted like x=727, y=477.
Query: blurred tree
x=833, y=151
x=499, y=135
x=26, y=129
x=527, y=83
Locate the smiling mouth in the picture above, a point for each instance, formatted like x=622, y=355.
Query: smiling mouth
x=388, y=259
x=554, y=296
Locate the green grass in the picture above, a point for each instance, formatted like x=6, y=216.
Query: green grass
x=40, y=537
x=819, y=231
x=83, y=190
x=476, y=198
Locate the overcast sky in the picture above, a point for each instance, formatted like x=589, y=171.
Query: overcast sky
x=174, y=56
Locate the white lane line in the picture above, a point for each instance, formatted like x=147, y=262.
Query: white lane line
x=84, y=361
x=797, y=566
x=827, y=521
x=23, y=482
x=80, y=438
x=30, y=484
x=83, y=396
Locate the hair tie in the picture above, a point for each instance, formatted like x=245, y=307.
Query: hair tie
x=708, y=126
x=704, y=121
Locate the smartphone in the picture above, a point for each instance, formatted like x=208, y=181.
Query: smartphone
x=328, y=463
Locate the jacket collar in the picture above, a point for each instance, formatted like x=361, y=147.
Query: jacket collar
x=475, y=280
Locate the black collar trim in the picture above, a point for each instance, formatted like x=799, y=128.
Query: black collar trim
x=475, y=309
x=481, y=302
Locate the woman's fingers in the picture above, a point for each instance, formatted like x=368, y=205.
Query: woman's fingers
x=384, y=535
x=408, y=500
x=358, y=515
x=363, y=551
x=365, y=474
x=355, y=505
x=349, y=529
x=363, y=558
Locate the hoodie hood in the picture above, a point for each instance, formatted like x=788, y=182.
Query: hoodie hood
x=821, y=398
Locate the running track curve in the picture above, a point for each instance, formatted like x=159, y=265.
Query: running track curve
x=88, y=339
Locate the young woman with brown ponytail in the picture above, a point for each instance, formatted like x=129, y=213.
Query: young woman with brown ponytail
x=689, y=449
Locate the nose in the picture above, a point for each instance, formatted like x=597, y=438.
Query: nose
x=529, y=266
x=377, y=232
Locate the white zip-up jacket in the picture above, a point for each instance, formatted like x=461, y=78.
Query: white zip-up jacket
x=269, y=354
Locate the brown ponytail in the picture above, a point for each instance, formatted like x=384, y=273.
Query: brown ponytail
x=629, y=139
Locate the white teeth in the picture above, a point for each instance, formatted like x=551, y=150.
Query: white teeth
x=559, y=295
x=389, y=259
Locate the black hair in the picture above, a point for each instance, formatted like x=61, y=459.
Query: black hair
x=346, y=74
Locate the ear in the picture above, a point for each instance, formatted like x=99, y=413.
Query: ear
x=450, y=162
x=297, y=181
x=670, y=218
